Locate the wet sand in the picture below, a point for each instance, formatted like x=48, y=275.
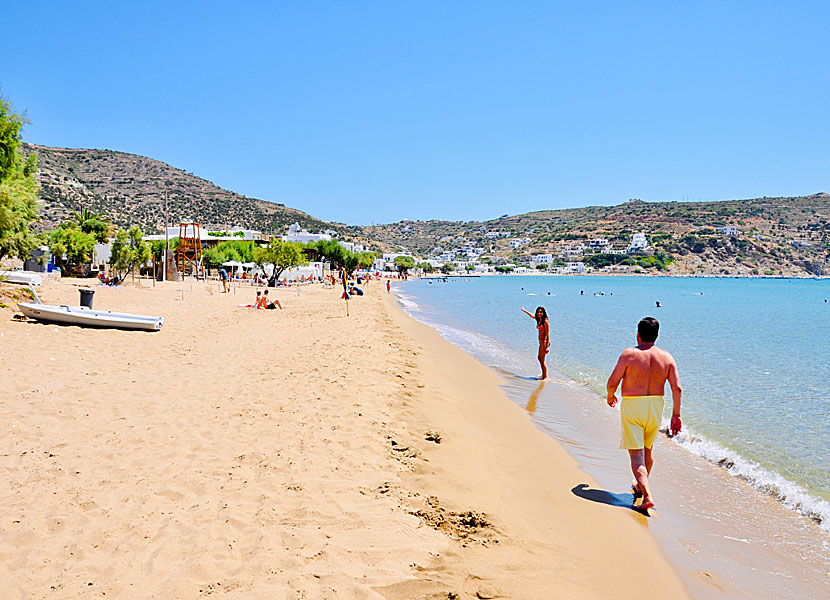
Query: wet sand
x=287, y=454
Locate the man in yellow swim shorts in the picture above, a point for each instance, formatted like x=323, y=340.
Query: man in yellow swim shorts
x=643, y=371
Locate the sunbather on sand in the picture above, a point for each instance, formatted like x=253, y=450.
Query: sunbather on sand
x=267, y=304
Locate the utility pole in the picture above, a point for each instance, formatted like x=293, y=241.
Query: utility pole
x=166, y=240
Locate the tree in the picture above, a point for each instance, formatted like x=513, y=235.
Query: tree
x=367, y=259
x=447, y=267
x=504, y=269
x=240, y=251
x=97, y=224
x=283, y=255
x=404, y=263
x=351, y=261
x=426, y=267
x=128, y=250
x=332, y=252
x=18, y=188
x=469, y=268
x=69, y=245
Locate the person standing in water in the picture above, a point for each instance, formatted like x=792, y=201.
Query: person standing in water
x=543, y=326
x=643, y=371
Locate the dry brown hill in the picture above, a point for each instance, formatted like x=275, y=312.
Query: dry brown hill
x=777, y=235
x=130, y=189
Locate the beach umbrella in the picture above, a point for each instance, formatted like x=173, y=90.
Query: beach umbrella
x=234, y=264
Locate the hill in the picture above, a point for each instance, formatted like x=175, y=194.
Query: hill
x=130, y=189
x=776, y=235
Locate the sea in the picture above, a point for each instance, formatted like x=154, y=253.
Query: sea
x=744, y=491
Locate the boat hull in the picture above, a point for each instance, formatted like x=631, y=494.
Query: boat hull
x=87, y=317
x=23, y=277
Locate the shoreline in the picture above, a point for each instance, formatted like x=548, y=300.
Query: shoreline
x=506, y=450
x=288, y=453
x=569, y=415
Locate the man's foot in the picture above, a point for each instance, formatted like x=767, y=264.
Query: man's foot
x=645, y=505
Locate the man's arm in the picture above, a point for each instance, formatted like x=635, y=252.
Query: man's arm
x=614, y=381
x=676, y=393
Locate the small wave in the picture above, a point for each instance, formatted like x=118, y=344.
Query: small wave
x=790, y=494
x=406, y=300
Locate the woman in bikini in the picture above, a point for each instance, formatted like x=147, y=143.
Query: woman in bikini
x=543, y=326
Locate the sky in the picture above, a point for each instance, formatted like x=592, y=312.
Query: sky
x=371, y=112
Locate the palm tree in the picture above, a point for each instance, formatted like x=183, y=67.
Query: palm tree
x=87, y=215
x=97, y=224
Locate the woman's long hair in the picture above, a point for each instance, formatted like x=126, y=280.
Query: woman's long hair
x=544, y=316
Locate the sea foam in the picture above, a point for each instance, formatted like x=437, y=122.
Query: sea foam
x=790, y=494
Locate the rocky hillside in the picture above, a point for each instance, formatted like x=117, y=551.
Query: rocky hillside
x=130, y=189
x=779, y=236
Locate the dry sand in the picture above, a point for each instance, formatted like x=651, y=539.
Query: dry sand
x=286, y=454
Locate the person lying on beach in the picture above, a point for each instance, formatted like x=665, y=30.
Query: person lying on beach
x=543, y=327
x=643, y=371
x=270, y=305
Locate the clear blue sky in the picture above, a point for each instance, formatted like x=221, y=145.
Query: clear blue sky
x=368, y=112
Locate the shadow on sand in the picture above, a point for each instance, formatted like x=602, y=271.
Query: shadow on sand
x=605, y=497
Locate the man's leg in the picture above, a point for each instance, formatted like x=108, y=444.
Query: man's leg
x=638, y=467
x=649, y=460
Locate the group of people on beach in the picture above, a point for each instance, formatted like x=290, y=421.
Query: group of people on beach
x=262, y=301
x=643, y=370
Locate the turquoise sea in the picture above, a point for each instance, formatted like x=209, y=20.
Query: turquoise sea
x=753, y=355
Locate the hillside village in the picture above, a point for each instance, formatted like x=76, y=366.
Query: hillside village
x=781, y=237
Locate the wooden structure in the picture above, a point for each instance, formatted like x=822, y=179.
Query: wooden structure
x=190, y=250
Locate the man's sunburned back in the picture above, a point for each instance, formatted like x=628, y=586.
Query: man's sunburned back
x=646, y=370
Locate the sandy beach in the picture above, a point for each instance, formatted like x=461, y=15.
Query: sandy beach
x=287, y=454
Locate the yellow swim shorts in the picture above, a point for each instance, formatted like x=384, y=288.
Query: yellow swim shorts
x=641, y=418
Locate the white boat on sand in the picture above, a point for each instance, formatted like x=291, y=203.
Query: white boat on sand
x=24, y=277
x=81, y=315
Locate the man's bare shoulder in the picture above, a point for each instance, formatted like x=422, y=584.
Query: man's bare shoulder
x=629, y=353
x=664, y=354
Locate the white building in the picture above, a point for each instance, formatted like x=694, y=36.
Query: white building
x=573, y=251
x=297, y=234
x=542, y=259
x=497, y=234
x=352, y=247
x=727, y=230
x=598, y=244
x=391, y=256
x=575, y=267
x=235, y=233
x=518, y=242
x=638, y=242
